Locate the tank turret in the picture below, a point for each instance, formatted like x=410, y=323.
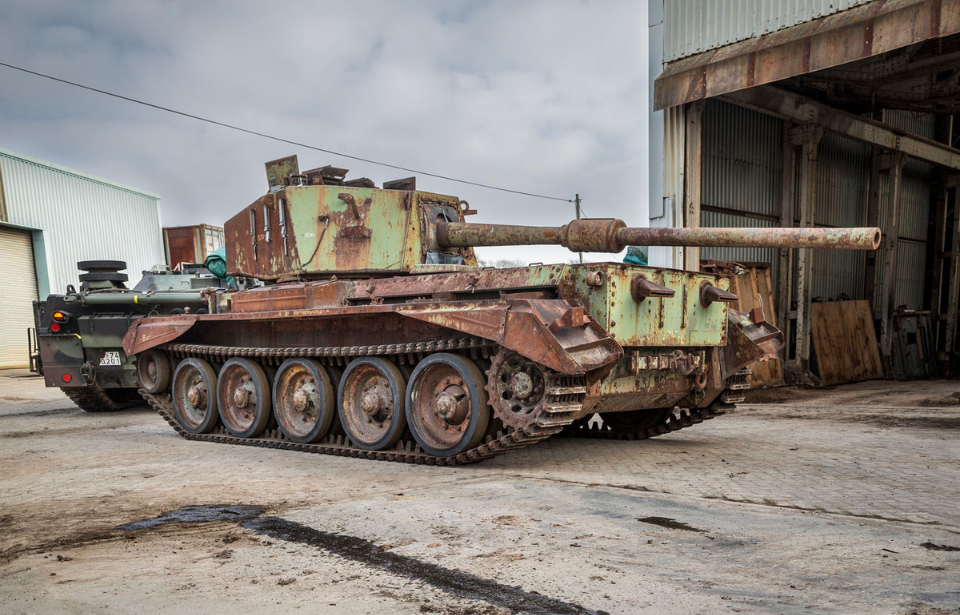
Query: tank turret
x=317, y=224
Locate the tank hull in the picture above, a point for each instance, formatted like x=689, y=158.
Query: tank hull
x=599, y=348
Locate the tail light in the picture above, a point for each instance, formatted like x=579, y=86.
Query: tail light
x=67, y=377
x=59, y=317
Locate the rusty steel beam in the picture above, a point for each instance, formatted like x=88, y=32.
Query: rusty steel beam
x=609, y=235
x=805, y=110
x=888, y=284
x=858, y=33
x=693, y=149
x=953, y=282
x=788, y=185
x=809, y=167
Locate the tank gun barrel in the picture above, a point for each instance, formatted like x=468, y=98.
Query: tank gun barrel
x=611, y=235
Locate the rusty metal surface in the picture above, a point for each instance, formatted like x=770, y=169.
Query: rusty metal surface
x=153, y=331
x=749, y=341
x=496, y=235
x=602, y=235
x=550, y=332
x=641, y=288
x=280, y=169
x=855, y=34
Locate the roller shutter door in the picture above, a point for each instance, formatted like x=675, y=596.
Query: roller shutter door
x=18, y=291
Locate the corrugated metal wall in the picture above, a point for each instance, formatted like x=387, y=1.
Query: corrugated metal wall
x=742, y=176
x=673, y=168
x=842, y=180
x=82, y=218
x=915, y=201
x=912, y=248
x=693, y=26
x=741, y=173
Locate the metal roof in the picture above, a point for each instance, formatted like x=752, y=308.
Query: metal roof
x=79, y=217
x=695, y=26
x=74, y=172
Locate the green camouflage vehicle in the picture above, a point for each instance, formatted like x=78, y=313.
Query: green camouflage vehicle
x=77, y=335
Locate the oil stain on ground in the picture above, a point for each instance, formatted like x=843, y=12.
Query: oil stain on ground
x=452, y=581
x=197, y=514
x=446, y=579
x=673, y=524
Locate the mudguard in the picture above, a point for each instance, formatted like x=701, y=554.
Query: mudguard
x=548, y=331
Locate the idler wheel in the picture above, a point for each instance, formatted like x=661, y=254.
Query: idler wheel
x=153, y=371
x=370, y=403
x=447, y=408
x=633, y=421
x=243, y=395
x=194, y=396
x=304, y=400
x=517, y=387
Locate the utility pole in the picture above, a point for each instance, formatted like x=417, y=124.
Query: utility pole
x=577, y=201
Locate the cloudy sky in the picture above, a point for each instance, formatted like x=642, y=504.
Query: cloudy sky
x=544, y=96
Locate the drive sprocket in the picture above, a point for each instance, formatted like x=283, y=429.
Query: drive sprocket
x=530, y=397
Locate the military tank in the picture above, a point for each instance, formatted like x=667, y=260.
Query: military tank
x=78, y=334
x=377, y=334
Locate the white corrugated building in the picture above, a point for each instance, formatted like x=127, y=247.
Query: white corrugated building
x=823, y=113
x=51, y=217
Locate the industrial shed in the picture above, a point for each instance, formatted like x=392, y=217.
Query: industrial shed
x=827, y=114
x=52, y=217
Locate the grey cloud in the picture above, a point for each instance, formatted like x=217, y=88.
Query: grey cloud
x=540, y=96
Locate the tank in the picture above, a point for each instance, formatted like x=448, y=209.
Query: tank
x=377, y=334
x=78, y=334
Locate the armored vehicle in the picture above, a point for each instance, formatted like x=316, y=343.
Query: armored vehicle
x=378, y=336
x=78, y=334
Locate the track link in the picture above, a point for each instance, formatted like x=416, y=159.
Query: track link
x=92, y=399
x=565, y=395
x=677, y=419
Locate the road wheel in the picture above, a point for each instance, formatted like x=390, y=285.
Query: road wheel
x=243, y=395
x=194, y=396
x=153, y=371
x=371, y=403
x=304, y=400
x=447, y=408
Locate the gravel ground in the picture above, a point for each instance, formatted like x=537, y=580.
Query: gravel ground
x=802, y=501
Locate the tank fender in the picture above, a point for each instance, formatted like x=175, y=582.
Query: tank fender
x=749, y=339
x=549, y=331
x=150, y=332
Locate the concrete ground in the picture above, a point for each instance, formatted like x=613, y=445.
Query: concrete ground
x=832, y=501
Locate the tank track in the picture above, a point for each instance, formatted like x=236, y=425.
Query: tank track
x=677, y=419
x=565, y=393
x=92, y=399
